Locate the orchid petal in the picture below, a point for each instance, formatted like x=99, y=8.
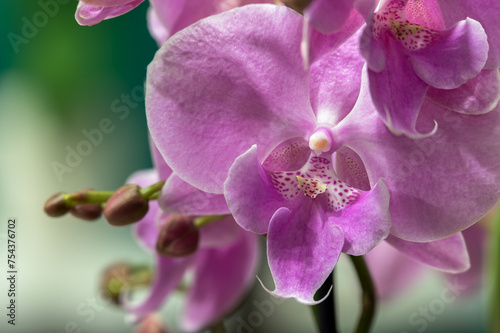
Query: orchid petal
x=247, y=86
x=457, y=55
x=169, y=272
x=179, y=197
x=222, y=277
x=476, y=240
x=251, y=196
x=328, y=16
x=321, y=44
x=89, y=15
x=333, y=93
x=366, y=222
x=479, y=95
x=302, y=249
x=156, y=27
x=448, y=254
x=439, y=185
x=392, y=272
x=398, y=92
x=219, y=233
x=484, y=11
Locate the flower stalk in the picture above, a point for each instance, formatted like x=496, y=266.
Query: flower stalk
x=368, y=298
x=324, y=312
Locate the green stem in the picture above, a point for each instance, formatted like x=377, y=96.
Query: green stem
x=147, y=192
x=207, y=219
x=87, y=197
x=369, y=298
x=495, y=274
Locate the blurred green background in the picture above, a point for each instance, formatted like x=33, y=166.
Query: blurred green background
x=65, y=79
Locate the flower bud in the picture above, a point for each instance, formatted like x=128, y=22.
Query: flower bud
x=178, y=237
x=114, y=279
x=55, y=206
x=87, y=212
x=126, y=206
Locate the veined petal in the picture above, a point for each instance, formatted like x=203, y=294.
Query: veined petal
x=89, y=15
x=222, y=277
x=398, y=92
x=224, y=84
x=302, y=249
x=333, y=93
x=439, y=185
x=251, y=196
x=484, y=11
x=328, y=16
x=457, y=55
x=477, y=96
x=366, y=222
x=169, y=272
x=179, y=197
x=448, y=254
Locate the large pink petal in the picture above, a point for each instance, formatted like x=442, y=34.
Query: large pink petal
x=439, y=185
x=251, y=196
x=458, y=55
x=224, y=84
x=397, y=91
x=484, y=11
x=302, y=249
x=448, y=254
x=366, y=222
x=334, y=92
x=222, y=277
x=477, y=96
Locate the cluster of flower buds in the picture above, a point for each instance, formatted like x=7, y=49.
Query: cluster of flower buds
x=129, y=204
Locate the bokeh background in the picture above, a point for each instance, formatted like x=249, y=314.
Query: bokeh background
x=60, y=80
